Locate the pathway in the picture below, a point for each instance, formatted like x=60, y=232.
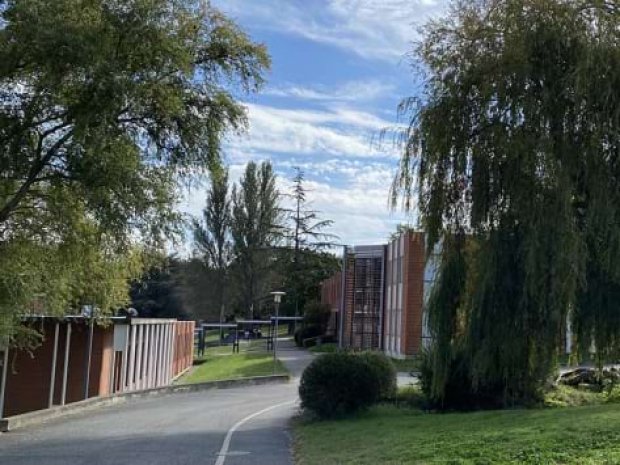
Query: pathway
x=185, y=429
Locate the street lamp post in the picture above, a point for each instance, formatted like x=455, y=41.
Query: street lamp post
x=277, y=298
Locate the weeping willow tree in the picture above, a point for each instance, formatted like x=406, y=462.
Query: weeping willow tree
x=512, y=159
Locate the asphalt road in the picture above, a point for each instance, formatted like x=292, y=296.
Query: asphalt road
x=169, y=430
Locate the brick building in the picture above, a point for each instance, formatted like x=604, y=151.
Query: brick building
x=385, y=291
x=362, y=318
x=331, y=295
x=81, y=358
x=409, y=278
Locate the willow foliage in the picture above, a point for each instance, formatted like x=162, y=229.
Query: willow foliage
x=513, y=157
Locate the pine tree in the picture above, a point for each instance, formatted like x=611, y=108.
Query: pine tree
x=307, y=237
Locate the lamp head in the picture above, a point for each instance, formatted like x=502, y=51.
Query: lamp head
x=277, y=296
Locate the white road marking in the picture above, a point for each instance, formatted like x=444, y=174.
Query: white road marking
x=226, y=444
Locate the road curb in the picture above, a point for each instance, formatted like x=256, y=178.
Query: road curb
x=41, y=416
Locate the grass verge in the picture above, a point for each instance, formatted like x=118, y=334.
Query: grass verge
x=222, y=364
x=324, y=348
x=389, y=435
x=406, y=364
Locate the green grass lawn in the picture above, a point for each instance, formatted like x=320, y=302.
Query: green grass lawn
x=218, y=366
x=389, y=436
x=324, y=348
x=213, y=335
x=219, y=362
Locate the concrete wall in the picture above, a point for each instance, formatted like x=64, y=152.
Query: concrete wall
x=393, y=307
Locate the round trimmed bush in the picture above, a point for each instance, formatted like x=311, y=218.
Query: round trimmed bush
x=384, y=370
x=337, y=384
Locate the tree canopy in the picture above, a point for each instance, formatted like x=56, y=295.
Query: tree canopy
x=257, y=228
x=309, y=238
x=212, y=236
x=105, y=106
x=247, y=245
x=513, y=158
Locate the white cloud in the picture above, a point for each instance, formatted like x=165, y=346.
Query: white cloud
x=352, y=91
x=378, y=29
x=358, y=206
x=348, y=177
x=337, y=131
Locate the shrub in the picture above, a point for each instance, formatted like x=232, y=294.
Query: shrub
x=384, y=370
x=325, y=348
x=567, y=396
x=411, y=397
x=306, y=332
x=310, y=342
x=337, y=384
x=316, y=314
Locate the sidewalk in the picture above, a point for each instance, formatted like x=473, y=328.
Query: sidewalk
x=294, y=359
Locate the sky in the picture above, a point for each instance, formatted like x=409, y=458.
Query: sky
x=339, y=70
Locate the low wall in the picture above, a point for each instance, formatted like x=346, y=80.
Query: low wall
x=127, y=355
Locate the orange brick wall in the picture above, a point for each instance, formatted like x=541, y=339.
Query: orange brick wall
x=404, y=295
x=331, y=295
x=413, y=291
x=331, y=291
x=29, y=375
x=184, y=346
x=410, y=329
x=348, y=302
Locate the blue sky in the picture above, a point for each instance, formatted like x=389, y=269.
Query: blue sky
x=339, y=70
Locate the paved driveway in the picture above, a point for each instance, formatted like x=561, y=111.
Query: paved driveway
x=170, y=430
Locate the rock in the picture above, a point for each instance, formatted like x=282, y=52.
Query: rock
x=582, y=376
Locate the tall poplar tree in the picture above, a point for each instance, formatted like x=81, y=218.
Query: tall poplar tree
x=256, y=231
x=212, y=236
x=513, y=157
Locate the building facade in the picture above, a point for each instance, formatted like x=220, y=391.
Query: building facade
x=331, y=295
x=404, y=295
x=384, y=289
x=79, y=358
x=362, y=316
